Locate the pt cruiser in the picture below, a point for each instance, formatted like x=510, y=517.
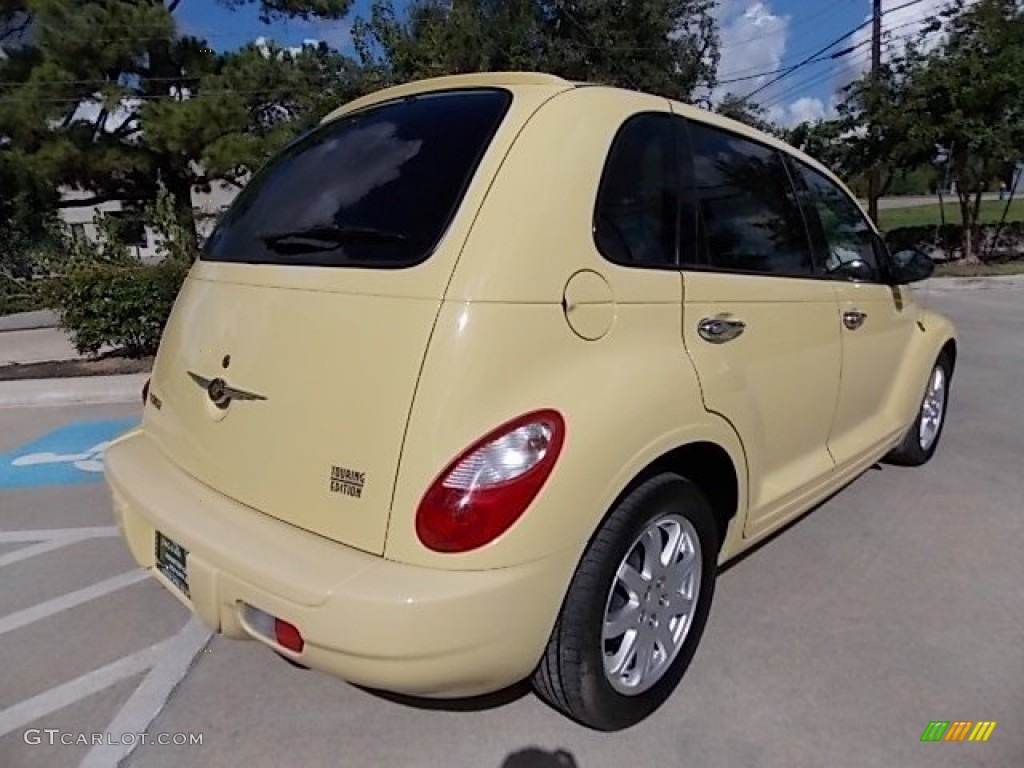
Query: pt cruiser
x=481, y=380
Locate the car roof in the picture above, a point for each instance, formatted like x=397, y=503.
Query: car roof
x=515, y=80
x=450, y=82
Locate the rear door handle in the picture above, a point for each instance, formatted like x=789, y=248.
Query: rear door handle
x=854, y=319
x=720, y=329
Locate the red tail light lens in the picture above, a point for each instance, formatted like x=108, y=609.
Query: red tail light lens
x=490, y=485
x=288, y=636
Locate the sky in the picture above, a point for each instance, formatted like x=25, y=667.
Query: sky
x=757, y=36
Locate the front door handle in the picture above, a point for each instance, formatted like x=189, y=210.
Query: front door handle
x=718, y=330
x=854, y=319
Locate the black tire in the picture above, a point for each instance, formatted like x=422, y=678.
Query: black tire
x=909, y=452
x=571, y=675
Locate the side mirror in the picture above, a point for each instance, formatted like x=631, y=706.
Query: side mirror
x=911, y=266
x=858, y=270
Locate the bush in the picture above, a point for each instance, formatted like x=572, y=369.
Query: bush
x=948, y=240
x=105, y=296
x=122, y=306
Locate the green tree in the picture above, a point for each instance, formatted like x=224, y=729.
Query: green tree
x=109, y=97
x=669, y=47
x=748, y=112
x=960, y=98
x=28, y=227
x=967, y=96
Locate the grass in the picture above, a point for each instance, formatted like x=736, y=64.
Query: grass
x=980, y=270
x=929, y=215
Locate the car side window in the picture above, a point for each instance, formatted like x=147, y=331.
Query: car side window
x=636, y=218
x=748, y=210
x=848, y=238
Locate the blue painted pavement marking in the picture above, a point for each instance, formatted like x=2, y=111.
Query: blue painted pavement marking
x=70, y=455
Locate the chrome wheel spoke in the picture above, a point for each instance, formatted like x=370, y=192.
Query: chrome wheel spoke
x=652, y=549
x=617, y=662
x=680, y=573
x=664, y=634
x=643, y=652
x=635, y=583
x=626, y=618
x=679, y=604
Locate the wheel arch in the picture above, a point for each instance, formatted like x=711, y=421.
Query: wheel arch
x=706, y=464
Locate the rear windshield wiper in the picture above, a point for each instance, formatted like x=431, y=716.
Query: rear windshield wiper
x=326, y=238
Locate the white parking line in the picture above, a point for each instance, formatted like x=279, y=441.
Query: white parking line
x=151, y=696
x=166, y=663
x=48, y=702
x=36, y=549
x=48, y=540
x=47, y=534
x=64, y=602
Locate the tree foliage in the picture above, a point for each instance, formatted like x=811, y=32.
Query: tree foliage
x=108, y=97
x=957, y=102
x=748, y=112
x=668, y=47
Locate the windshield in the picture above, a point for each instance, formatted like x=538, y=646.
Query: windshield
x=377, y=188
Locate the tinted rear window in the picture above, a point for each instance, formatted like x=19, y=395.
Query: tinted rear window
x=383, y=184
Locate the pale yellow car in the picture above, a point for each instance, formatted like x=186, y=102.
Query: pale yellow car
x=483, y=378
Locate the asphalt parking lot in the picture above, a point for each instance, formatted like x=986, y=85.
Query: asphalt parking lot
x=896, y=603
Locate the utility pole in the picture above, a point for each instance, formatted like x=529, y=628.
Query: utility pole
x=875, y=177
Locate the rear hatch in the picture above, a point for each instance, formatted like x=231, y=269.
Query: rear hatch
x=286, y=374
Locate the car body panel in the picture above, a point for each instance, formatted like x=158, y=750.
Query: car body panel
x=777, y=383
x=872, y=360
x=393, y=373
x=642, y=401
x=421, y=631
x=342, y=414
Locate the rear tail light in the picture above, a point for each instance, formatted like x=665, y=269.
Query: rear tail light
x=490, y=485
x=145, y=392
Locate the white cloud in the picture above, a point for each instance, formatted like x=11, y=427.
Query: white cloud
x=753, y=40
x=807, y=109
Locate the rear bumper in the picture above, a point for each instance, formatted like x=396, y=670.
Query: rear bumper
x=371, y=621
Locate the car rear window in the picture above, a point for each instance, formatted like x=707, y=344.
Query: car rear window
x=377, y=188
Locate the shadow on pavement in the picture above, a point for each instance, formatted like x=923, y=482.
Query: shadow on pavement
x=534, y=757
x=474, y=704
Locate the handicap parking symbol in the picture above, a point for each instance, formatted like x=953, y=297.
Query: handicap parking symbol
x=70, y=455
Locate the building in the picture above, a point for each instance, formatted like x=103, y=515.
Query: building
x=143, y=239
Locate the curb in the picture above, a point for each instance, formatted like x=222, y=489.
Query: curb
x=28, y=321
x=82, y=390
x=972, y=283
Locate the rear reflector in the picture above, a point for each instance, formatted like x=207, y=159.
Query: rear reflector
x=288, y=636
x=274, y=629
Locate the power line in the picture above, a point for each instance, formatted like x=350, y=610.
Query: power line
x=149, y=96
x=861, y=59
x=815, y=80
x=825, y=49
x=821, y=77
x=186, y=79
x=192, y=78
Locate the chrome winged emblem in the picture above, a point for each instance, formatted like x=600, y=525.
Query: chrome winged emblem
x=220, y=392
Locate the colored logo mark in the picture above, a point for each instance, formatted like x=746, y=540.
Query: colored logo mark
x=72, y=454
x=958, y=730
